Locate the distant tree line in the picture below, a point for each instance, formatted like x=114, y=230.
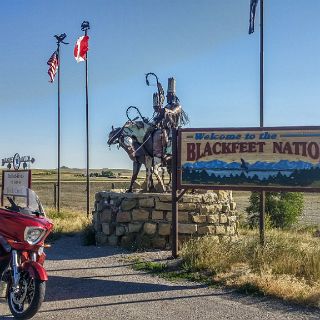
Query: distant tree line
x=104, y=173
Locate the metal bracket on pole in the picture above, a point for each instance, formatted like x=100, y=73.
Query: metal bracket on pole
x=181, y=194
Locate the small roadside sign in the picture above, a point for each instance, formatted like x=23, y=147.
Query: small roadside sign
x=15, y=183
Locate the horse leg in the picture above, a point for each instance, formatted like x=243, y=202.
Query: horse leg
x=136, y=169
x=170, y=176
x=148, y=165
x=162, y=172
x=169, y=185
x=169, y=170
x=156, y=167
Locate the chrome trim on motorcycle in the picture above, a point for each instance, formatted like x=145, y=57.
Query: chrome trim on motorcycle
x=33, y=256
x=40, y=251
x=15, y=265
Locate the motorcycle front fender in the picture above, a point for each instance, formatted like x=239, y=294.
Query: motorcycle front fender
x=35, y=269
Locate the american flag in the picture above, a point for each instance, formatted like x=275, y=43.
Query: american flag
x=253, y=7
x=53, y=64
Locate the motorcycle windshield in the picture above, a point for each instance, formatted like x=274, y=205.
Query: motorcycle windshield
x=26, y=202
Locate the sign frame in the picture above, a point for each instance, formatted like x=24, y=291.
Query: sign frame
x=181, y=185
x=29, y=179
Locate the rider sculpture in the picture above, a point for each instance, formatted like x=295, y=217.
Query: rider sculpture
x=149, y=142
x=166, y=118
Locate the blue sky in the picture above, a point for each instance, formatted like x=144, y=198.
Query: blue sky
x=204, y=44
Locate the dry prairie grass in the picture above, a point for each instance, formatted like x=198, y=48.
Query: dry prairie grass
x=68, y=221
x=287, y=287
x=288, y=266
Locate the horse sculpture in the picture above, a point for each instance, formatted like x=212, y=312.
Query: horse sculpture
x=135, y=137
x=149, y=142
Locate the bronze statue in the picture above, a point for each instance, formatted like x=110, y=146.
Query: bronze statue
x=148, y=142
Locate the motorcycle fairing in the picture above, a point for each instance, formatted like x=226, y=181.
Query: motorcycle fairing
x=35, y=269
x=13, y=224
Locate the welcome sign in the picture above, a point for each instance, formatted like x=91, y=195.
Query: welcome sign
x=286, y=158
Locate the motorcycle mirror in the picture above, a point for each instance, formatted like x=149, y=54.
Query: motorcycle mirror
x=11, y=201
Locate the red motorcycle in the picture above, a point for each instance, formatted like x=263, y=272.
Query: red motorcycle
x=23, y=229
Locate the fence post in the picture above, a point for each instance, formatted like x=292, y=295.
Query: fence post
x=55, y=195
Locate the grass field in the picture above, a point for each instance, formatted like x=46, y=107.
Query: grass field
x=73, y=190
x=73, y=185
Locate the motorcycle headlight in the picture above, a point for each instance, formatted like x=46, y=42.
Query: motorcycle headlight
x=33, y=234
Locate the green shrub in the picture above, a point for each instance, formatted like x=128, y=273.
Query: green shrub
x=108, y=174
x=282, y=208
x=150, y=266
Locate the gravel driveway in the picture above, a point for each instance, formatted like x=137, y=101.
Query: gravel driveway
x=99, y=283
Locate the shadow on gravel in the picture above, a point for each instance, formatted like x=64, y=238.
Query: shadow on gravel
x=93, y=268
x=268, y=304
x=80, y=288
x=91, y=305
x=60, y=251
x=86, y=287
x=71, y=248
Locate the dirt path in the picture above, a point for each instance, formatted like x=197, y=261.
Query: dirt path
x=99, y=283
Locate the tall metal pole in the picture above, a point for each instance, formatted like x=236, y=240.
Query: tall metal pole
x=262, y=194
x=261, y=63
x=59, y=173
x=85, y=27
x=60, y=39
x=87, y=136
x=174, y=195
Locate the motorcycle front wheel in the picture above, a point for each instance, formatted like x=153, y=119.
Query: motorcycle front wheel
x=25, y=301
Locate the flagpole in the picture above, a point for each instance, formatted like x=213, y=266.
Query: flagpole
x=85, y=26
x=261, y=64
x=262, y=194
x=59, y=173
x=60, y=39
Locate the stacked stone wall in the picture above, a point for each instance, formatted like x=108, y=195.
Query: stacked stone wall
x=144, y=219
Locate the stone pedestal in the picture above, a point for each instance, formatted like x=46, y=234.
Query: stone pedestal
x=144, y=219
